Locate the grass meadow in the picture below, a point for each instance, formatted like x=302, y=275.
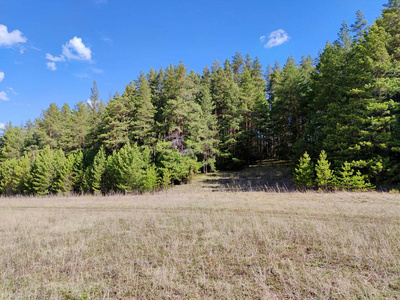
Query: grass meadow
x=200, y=242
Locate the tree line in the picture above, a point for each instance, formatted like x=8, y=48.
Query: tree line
x=171, y=123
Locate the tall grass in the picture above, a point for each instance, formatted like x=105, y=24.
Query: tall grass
x=191, y=243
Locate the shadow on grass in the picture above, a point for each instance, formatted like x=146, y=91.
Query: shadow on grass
x=268, y=175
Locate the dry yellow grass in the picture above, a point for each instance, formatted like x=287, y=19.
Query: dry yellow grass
x=192, y=243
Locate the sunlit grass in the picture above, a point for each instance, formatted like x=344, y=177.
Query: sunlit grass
x=190, y=242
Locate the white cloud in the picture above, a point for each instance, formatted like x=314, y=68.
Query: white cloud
x=2, y=126
x=76, y=49
x=10, y=89
x=10, y=38
x=2, y=75
x=106, y=39
x=51, y=66
x=55, y=58
x=276, y=38
x=3, y=96
x=97, y=71
x=82, y=75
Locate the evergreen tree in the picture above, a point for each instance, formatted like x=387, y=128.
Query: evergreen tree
x=304, y=173
x=97, y=172
x=116, y=123
x=144, y=124
x=80, y=126
x=78, y=173
x=359, y=27
x=12, y=142
x=166, y=179
x=289, y=105
x=324, y=173
x=204, y=133
x=49, y=128
x=63, y=182
x=150, y=182
x=8, y=181
x=129, y=166
x=349, y=181
x=225, y=95
x=43, y=172
x=95, y=103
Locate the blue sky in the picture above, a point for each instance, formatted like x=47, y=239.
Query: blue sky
x=51, y=51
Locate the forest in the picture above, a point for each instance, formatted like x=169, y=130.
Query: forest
x=339, y=112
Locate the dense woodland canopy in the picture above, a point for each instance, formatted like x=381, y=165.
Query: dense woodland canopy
x=171, y=123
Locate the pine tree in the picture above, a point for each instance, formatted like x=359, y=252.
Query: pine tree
x=390, y=21
x=182, y=114
x=150, y=182
x=237, y=65
x=349, y=181
x=144, y=124
x=129, y=168
x=344, y=37
x=49, y=128
x=180, y=167
x=78, y=173
x=116, y=123
x=80, y=126
x=12, y=142
x=22, y=174
x=62, y=178
x=204, y=135
x=324, y=173
x=304, y=173
x=225, y=95
x=288, y=108
x=156, y=84
x=166, y=179
x=97, y=172
x=43, y=172
x=359, y=27
x=8, y=182
x=67, y=138
x=95, y=103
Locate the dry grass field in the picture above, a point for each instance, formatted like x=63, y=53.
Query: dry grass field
x=201, y=242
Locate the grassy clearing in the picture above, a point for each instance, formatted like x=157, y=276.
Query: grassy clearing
x=193, y=243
